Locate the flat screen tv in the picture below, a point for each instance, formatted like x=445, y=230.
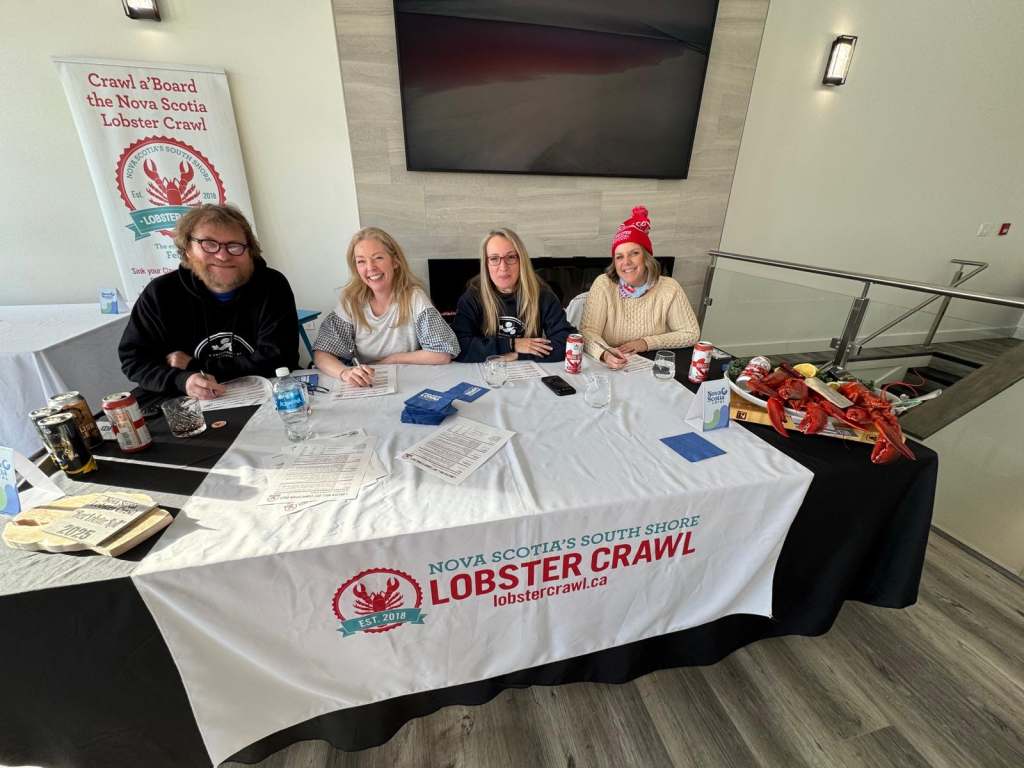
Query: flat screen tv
x=564, y=87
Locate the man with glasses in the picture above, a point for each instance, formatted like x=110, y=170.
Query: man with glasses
x=222, y=314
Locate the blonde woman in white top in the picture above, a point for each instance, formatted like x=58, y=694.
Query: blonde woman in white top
x=383, y=315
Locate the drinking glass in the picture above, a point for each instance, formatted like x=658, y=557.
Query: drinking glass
x=664, y=364
x=495, y=371
x=598, y=392
x=184, y=416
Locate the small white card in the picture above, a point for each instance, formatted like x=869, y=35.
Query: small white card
x=112, y=302
x=9, y=503
x=97, y=521
x=710, y=406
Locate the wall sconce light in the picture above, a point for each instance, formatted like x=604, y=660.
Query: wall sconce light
x=141, y=9
x=839, y=60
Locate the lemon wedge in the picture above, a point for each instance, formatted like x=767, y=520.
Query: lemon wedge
x=806, y=369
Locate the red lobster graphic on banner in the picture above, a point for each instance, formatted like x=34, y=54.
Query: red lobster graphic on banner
x=375, y=602
x=164, y=191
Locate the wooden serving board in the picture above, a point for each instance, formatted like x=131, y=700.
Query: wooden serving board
x=744, y=410
x=25, y=530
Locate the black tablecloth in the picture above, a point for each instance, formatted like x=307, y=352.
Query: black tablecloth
x=90, y=682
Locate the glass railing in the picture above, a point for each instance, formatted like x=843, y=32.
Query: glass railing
x=751, y=305
x=756, y=314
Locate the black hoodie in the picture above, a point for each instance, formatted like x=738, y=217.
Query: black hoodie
x=475, y=347
x=253, y=333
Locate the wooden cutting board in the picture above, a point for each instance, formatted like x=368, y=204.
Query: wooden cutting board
x=25, y=530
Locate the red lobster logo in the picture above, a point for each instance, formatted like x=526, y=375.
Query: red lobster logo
x=164, y=191
x=375, y=602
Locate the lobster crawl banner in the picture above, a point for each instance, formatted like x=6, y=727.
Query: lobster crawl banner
x=157, y=139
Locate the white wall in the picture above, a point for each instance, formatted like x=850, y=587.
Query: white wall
x=890, y=173
x=282, y=65
x=980, y=495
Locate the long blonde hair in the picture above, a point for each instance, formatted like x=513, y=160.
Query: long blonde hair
x=527, y=291
x=357, y=294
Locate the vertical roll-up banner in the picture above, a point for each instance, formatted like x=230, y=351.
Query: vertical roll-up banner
x=158, y=139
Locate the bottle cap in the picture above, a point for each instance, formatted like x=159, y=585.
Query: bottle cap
x=282, y=371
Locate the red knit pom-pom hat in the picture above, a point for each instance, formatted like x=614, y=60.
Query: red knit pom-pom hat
x=634, y=230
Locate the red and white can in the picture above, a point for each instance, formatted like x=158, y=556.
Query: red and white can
x=757, y=368
x=126, y=417
x=574, y=353
x=701, y=361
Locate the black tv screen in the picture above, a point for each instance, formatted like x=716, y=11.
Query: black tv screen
x=577, y=87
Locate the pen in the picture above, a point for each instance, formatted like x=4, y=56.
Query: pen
x=613, y=351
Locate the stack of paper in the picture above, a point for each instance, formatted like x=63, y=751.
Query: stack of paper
x=334, y=468
x=455, y=451
x=248, y=390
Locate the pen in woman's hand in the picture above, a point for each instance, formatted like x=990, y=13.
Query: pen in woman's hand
x=611, y=351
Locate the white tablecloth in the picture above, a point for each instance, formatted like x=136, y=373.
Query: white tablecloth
x=51, y=348
x=582, y=533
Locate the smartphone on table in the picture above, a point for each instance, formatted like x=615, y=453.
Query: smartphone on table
x=558, y=385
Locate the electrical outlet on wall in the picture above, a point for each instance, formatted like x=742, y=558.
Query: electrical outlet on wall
x=984, y=230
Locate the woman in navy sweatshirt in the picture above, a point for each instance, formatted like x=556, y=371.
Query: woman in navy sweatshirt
x=507, y=310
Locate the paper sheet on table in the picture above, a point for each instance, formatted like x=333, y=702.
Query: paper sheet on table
x=519, y=370
x=638, y=363
x=316, y=471
x=385, y=382
x=457, y=449
x=247, y=390
x=374, y=470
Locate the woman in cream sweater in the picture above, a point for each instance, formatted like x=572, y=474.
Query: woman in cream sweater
x=631, y=308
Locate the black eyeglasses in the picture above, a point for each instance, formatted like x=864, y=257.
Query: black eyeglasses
x=213, y=246
x=510, y=259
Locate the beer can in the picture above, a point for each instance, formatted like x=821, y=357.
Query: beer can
x=75, y=403
x=42, y=413
x=129, y=424
x=757, y=368
x=64, y=441
x=574, y=353
x=701, y=361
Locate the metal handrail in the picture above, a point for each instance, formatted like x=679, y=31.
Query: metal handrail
x=958, y=279
x=910, y=285
x=847, y=342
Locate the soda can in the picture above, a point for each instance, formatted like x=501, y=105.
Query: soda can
x=701, y=361
x=574, y=353
x=757, y=368
x=64, y=442
x=129, y=424
x=75, y=403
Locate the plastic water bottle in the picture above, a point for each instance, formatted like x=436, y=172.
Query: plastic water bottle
x=290, y=401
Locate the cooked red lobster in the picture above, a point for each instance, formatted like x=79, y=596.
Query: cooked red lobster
x=785, y=387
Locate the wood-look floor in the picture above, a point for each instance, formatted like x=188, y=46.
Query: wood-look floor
x=937, y=684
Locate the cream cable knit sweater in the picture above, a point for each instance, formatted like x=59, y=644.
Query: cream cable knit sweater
x=662, y=317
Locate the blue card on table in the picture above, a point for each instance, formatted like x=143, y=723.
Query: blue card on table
x=467, y=392
x=692, y=446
